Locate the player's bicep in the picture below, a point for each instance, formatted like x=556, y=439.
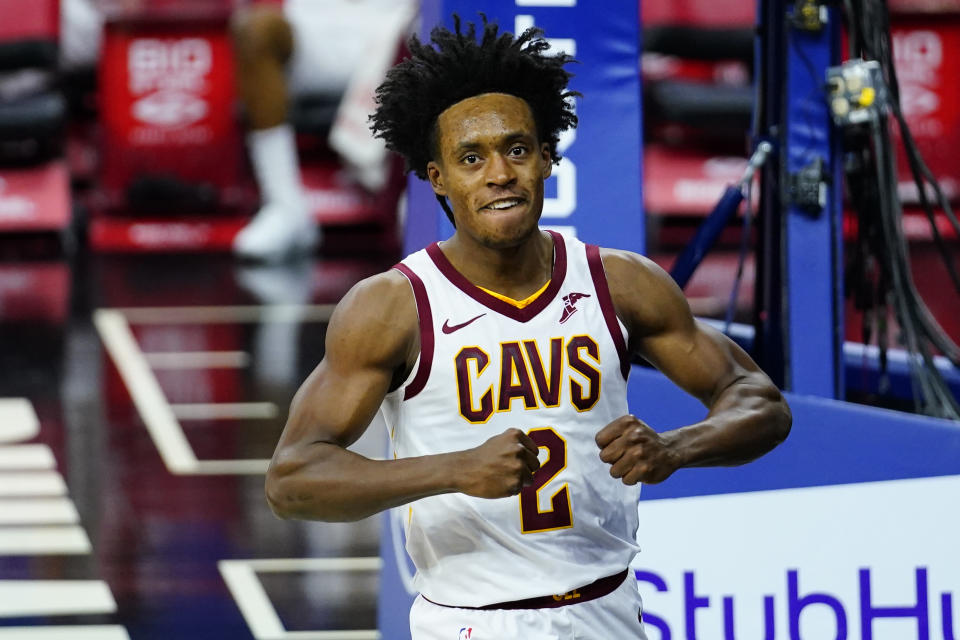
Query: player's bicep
x=366, y=347
x=336, y=404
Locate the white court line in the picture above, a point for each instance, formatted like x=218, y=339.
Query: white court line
x=198, y=359
x=27, y=456
x=287, y=565
x=18, y=420
x=38, y=511
x=210, y=315
x=157, y=415
x=65, y=632
x=156, y=412
x=225, y=411
x=359, y=634
x=32, y=483
x=20, y=598
x=259, y=612
x=50, y=540
x=240, y=467
x=252, y=599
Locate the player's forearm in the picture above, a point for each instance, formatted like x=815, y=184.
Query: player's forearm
x=747, y=420
x=327, y=482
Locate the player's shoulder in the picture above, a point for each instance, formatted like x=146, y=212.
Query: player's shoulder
x=378, y=319
x=644, y=295
x=630, y=270
x=387, y=292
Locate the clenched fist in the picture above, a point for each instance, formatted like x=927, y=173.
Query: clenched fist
x=499, y=467
x=635, y=452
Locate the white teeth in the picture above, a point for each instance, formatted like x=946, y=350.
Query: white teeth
x=503, y=204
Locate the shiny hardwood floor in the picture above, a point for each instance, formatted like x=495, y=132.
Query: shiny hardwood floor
x=160, y=385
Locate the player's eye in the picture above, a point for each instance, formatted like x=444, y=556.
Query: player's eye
x=518, y=150
x=470, y=158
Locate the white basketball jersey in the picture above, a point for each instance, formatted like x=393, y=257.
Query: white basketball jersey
x=557, y=369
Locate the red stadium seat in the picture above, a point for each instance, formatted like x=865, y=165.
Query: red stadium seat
x=171, y=142
x=698, y=13
x=926, y=52
x=166, y=106
x=697, y=100
x=29, y=37
x=34, y=182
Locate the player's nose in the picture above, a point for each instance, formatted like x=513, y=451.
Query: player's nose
x=499, y=171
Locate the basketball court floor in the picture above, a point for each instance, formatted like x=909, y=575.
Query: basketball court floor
x=135, y=428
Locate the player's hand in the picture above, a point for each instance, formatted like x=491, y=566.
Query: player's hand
x=635, y=452
x=499, y=467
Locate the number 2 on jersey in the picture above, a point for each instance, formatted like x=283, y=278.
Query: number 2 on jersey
x=559, y=515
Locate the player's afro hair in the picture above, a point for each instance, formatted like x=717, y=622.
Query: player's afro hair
x=418, y=89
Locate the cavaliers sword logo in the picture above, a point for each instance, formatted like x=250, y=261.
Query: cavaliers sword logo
x=570, y=305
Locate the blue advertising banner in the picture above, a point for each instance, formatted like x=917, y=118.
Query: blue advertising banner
x=846, y=531
x=595, y=191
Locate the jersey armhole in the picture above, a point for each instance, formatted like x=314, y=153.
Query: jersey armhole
x=614, y=325
x=425, y=319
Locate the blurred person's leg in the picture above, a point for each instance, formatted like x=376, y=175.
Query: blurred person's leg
x=81, y=34
x=308, y=47
x=347, y=49
x=263, y=41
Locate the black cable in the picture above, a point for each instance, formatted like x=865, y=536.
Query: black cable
x=908, y=306
x=880, y=237
x=882, y=51
x=919, y=380
x=853, y=34
x=879, y=48
x=755, y=116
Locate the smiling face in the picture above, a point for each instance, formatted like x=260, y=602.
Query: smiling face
x=491, y=167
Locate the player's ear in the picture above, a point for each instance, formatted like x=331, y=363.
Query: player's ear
x=435, y=176
x=547, y=160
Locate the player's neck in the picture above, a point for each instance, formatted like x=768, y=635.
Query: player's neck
x=515, y=272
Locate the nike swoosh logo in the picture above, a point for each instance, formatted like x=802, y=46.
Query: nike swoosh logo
x=446, y=328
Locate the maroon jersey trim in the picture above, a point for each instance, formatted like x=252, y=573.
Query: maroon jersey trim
x=606, y=305
x=505, y=308
x=592, y=591
x=426, y=332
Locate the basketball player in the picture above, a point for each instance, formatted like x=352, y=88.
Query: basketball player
x=499, y=359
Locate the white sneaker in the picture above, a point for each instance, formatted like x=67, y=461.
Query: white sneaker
x=276, y=233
